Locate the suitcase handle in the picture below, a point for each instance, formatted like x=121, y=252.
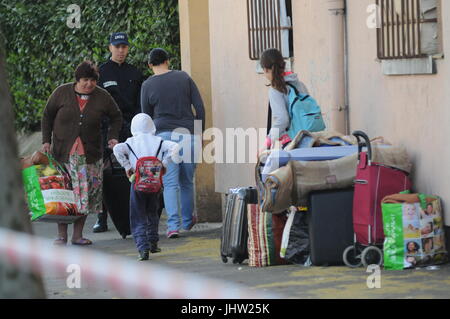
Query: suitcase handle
x=361, y=135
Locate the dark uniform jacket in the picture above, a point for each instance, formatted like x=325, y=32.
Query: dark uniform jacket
x=123, y=82
x=63, y=122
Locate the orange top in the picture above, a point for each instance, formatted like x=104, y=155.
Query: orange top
x=78, y=145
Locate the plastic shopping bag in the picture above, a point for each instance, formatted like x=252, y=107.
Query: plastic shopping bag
x=295, y=243
x=265, y=236
x=414, y=231
x=48, y=189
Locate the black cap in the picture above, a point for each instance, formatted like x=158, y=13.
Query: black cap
x=118, y=38
x=157, y=56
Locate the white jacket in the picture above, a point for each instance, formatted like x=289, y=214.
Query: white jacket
x=145, y=143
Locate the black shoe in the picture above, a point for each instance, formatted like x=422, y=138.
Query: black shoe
x=143, y=255
x=154, y=248
x=100, y=227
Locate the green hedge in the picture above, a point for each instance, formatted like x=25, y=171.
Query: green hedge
x=42, y=51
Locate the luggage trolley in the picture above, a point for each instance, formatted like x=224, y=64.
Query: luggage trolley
x=373, y=182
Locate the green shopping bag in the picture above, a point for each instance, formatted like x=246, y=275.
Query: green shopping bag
x=414, y=231
x=48, y=189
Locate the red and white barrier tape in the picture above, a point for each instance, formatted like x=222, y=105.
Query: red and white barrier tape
x=123, y=276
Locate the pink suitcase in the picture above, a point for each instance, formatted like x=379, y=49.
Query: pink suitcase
x=373, y=182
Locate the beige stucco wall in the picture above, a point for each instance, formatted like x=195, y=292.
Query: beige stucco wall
x=312, y=23
x=407, y=110
x=239, y=95
x=195, y=60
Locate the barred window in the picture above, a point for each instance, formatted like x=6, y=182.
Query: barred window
x=269, y=26
x=408, y=29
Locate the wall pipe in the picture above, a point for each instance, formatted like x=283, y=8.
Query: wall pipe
x=346, y=72
x=339, y=117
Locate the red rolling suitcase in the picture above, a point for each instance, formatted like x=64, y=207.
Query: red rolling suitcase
x=373, y=182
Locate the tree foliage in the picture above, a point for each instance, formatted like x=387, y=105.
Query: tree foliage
x=42, y=50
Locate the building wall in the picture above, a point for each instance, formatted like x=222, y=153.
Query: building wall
x=239, y=94
x=407, y=110
x=195, y=60
x=312, y=50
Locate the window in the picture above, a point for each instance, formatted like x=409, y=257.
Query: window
x=408, y=29
x=269, y=26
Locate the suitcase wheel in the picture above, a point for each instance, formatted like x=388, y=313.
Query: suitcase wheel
x=238, y=260
x=352, y=257
x=224, y=259
x=124, y=236
x=372, y=255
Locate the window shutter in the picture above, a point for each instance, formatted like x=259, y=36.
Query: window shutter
x=408, y=28
x=268, y=27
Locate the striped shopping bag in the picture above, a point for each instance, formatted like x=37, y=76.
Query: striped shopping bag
x=265, y=236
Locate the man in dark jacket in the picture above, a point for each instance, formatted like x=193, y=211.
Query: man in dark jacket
x=123, y=81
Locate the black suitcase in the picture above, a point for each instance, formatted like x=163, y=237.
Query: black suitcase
x=235, y=224
x=116, y=195
x=330, y=225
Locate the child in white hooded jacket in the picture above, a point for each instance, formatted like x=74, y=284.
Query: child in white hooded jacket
x=144, y=218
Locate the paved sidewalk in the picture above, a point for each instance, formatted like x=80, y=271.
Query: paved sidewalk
x=198, y=252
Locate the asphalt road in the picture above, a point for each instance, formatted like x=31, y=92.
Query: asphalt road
x=198, y=252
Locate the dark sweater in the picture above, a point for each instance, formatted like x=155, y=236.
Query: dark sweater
x=168, y=99
x=123, y=82
x=63, y=122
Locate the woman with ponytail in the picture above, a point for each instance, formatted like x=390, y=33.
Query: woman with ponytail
x=273, y=64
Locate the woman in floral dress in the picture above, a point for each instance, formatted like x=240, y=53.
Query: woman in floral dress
x=71, y=131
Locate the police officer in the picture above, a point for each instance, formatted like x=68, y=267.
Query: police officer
x=123, y=81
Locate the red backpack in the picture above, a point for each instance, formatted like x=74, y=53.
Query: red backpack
x=149, y=173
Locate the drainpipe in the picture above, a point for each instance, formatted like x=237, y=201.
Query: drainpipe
x=339, y=118
x=346, y=69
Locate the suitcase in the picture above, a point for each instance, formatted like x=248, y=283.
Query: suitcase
x=116, y=195
x=234, y=238
x=373, y=182
x=330, y=225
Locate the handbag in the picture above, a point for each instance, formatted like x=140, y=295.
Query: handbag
x=265, y=232
x=275, y=193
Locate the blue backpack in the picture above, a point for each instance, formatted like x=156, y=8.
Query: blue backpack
x=304, y=113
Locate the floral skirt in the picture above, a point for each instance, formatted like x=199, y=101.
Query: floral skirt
x=87, y=183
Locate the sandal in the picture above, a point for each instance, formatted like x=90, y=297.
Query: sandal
x=60, y=241
x=82, y=242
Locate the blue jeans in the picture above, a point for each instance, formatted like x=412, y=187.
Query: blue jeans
x=179, y=184
x=144, y=218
